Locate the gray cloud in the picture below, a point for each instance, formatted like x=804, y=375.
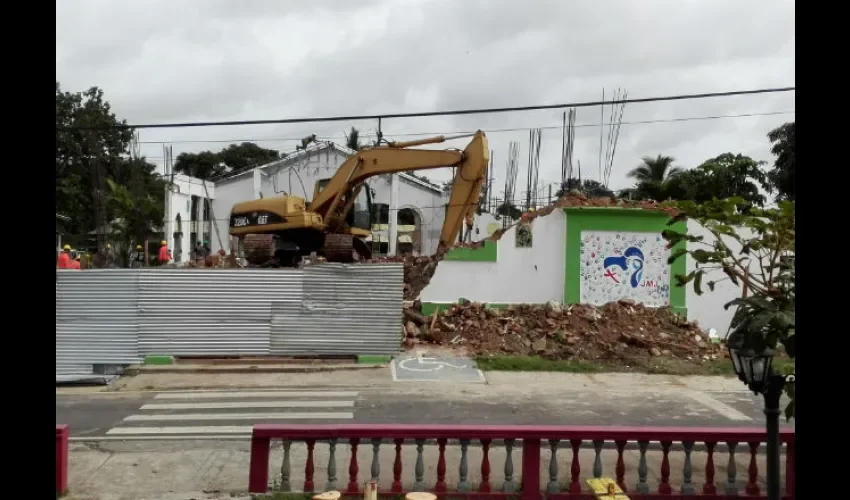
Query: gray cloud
x=175, y=61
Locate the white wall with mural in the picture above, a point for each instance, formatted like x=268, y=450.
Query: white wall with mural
x=618, y=265
x=529, y=274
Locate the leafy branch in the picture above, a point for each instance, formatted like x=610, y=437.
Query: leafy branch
x=754, y=249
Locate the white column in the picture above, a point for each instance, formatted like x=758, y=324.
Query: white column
x=258, y=184
x=393, y=226
x=199, y=217
x=168, y=226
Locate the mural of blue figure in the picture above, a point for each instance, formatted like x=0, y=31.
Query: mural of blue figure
x=632, y=259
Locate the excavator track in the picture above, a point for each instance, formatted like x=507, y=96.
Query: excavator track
x=345, y=248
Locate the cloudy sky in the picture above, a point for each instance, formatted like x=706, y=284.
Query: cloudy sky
x=214, y=60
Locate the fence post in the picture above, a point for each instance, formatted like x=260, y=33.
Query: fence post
x=258, y=469
x=530, y=469
x=789, y=469
x=61, y=459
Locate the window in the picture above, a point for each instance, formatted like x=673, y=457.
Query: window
x=361, y=209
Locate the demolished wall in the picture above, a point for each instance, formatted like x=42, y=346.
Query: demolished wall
x=503, y=273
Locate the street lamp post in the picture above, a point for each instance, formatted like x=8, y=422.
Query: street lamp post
x=754, y=369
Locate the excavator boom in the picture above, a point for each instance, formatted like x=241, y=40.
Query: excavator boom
x=470, y=173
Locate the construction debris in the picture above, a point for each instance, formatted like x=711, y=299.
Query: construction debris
x=418, y=271
x=619, y=331
x=220, y=261
x=575, y=199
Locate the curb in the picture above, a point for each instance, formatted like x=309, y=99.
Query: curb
x=224, y=369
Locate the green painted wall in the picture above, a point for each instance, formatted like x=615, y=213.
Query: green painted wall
x=487, y=253
x=616, y=219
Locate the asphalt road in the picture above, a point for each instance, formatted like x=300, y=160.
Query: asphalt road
x=230, y=414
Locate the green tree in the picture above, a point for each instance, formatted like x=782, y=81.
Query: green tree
x=754, y=249
x=782, y=176
x=652, y=177
x=234, y=158
x=134, y=219
x=203, y=165
x=352, y=140
x=726, y=176
x=507, y=209
x=247, y=155
x=80, y=152
x=588, y=187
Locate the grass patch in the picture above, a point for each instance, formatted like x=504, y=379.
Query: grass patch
x=656, y=366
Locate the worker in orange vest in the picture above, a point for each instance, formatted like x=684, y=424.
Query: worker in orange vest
x=75, y=264
x=164, y=253
x=65, y=258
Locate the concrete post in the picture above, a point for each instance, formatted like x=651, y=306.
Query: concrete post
x=168, y=218
x=199, y=217
x=258, y=184
x=393, y=226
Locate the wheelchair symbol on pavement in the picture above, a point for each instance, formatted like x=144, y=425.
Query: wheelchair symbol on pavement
x=427, y=364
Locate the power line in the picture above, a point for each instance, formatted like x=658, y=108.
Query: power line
x=679, y=97
x=489, y=131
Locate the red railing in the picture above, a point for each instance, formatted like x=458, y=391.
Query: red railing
x=529, y=439
x=61, y=459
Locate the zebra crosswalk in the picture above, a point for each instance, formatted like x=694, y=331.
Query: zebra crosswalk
x=230, y=414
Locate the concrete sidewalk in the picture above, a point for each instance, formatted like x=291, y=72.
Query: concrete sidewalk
x=518, y=383
x=183, y=470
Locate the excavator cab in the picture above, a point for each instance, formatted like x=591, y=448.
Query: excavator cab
x=360, y=215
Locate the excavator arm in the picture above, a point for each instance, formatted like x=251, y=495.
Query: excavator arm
x=470, y=173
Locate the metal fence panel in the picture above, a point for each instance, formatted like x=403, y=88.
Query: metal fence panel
x=345, y=309
x=96, y=319
x=197, y=312
x=118, y=316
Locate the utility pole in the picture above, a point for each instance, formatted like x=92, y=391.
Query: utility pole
x=97, y=177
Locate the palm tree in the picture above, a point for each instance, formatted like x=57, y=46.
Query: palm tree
x=658, y=169
x=653, y=176
x=352, y=140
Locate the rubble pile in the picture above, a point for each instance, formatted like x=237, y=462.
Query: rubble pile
x=418, y=271
x=215, y=261
x=575, y=199
x=620, y=331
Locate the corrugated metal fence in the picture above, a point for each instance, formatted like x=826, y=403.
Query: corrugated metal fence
x=118, y=316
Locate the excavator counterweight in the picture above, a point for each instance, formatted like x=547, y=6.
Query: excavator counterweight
x=334, y=224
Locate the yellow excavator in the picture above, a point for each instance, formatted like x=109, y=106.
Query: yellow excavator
x=334, y=224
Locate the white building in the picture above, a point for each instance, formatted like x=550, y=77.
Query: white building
x=420, y=206
x=187, y=216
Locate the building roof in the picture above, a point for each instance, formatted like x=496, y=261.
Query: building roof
x=319, y=147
